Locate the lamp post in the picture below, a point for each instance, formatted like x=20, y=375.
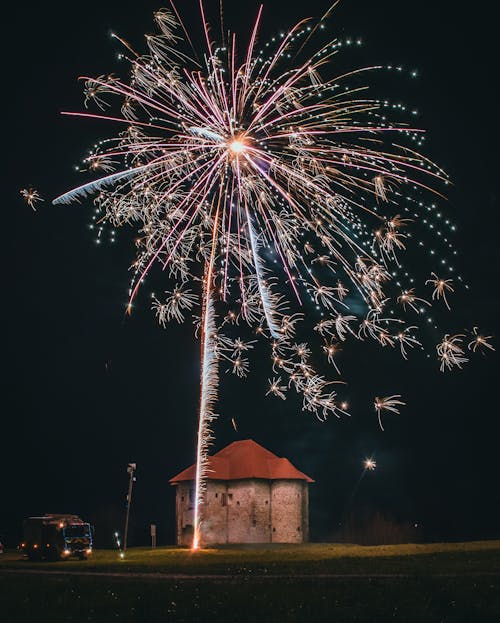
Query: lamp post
x=131, y=471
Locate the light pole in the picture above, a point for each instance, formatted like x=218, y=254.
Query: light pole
x=131, y=471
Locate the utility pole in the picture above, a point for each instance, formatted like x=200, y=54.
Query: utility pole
x=131, y=471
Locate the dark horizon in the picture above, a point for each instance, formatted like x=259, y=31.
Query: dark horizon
x=89, y=390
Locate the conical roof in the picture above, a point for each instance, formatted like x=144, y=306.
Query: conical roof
x=245, y=459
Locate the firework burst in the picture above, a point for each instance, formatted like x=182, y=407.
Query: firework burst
x=265, y=187
x=31, y=197
x=480, y=342
x=370, y=464
x=389, y=403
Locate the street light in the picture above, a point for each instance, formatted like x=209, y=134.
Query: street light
x=131, y=471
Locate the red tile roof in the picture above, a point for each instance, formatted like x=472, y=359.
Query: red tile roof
x=245, y=459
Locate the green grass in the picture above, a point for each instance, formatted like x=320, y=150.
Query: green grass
x=312, y=558
x=448, y=583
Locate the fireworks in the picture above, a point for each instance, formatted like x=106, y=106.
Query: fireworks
x=264, y=186
x=441, y=287
x=389, y=403
x=479, y=341
x=176, y=304
x=370, y=464
x=276, y=388
x=408, y=298
x=31, y=196
x=450, y=352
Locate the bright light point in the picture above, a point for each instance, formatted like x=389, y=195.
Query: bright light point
x=196, y=541
x=122, y=555
x=237, y=146
x=370, y=464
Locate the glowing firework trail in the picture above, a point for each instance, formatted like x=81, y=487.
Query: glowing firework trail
x=208, y=397
x=208, y=383
x=275, y=186
x=265, y=295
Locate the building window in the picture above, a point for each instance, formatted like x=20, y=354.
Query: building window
x=182, y=498
x=223, y=499
x=267, y=501
x=216, y=495
x=229, y=498
x=191, y=496
x=298, y=529
x=254, y=522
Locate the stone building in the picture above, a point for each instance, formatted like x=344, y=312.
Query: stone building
x=252, y=496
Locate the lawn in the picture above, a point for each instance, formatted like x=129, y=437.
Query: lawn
x=449, y=583
x=312, y=558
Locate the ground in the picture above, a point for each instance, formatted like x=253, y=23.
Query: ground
x=457, y=582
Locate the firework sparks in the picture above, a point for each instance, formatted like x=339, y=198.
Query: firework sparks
x=31, y=197
x=258, y=187
x=441, y=287
x=389, y=403
x=480, y=341
x=276, y=389
x=450, y=352
x=408, y=298
x=331, y=349
x=175, y=306
x=370, y=464
x=208, y=396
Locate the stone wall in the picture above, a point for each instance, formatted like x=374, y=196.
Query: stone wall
x=287, y=511
x=249, y=511
x=184, y=512
x=246, y=511
x=215, y=513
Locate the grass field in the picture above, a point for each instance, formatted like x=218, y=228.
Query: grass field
x=318, y=582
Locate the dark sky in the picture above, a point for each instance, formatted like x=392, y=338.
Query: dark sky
x=86, y=390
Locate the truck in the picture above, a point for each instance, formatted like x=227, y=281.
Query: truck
x=56, y=537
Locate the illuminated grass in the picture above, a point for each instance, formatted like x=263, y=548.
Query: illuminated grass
x=479, y=556
x=451, y=582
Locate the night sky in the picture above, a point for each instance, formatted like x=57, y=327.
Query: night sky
x=86, y=389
